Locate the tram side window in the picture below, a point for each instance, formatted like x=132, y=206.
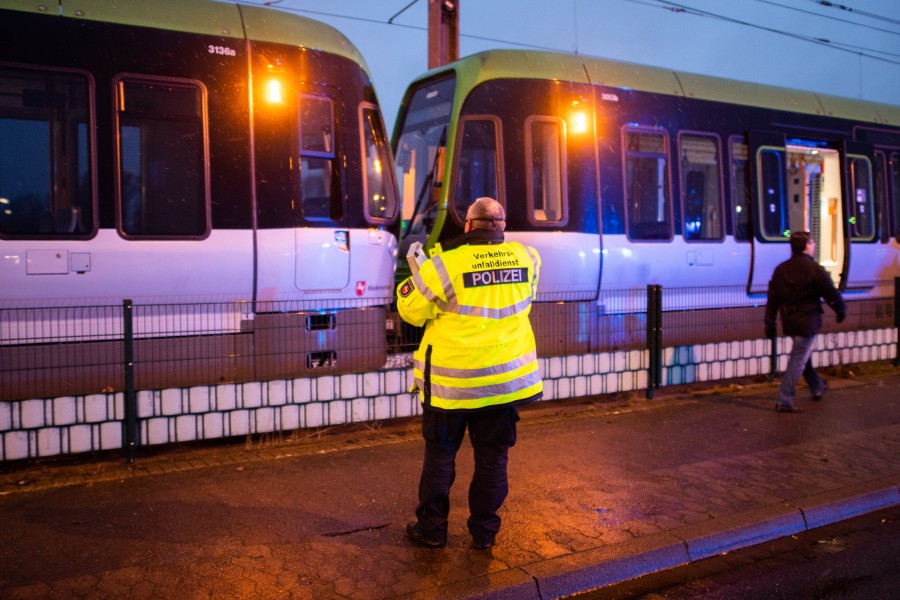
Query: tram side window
x=479, y=164
x=647, y=186
x=381, y=202
x=162, y=158
x=773, y=204
x=547, y=171
x=46, y=188
x=740, y=191
x=700, y=188
x=862, y=221
x=895, y=192
x=320, y=194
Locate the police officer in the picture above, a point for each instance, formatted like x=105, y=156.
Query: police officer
x=795, y=291
x=476, y=363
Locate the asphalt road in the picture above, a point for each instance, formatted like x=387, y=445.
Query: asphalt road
x=857, y=559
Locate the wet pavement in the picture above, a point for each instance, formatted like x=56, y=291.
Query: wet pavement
x=602, y=490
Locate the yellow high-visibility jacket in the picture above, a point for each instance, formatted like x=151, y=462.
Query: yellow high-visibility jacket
x=478, y=349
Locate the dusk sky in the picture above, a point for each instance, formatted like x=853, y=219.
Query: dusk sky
x=848, y=48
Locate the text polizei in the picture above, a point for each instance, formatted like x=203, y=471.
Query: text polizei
x=495, y=277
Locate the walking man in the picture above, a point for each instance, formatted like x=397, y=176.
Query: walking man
x=795, y=290
x=476, y=362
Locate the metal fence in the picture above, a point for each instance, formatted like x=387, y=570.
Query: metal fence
x=69, y=351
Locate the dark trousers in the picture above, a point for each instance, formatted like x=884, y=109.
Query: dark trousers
x=492, y=433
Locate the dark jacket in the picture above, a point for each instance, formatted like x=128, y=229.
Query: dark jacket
x=795, y=290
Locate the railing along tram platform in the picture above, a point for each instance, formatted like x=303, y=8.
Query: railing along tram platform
x=86, y=350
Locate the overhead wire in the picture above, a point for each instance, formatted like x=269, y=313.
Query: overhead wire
x=665, y=4
x=855, y=11
x=829, y=17
x=854, y=48
x=274, y=3
x=845, y=21
x=400, y=12
x=681, y=8
x=291, y=9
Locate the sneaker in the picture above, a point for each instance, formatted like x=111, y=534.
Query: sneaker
x=787, y=408
x=416, y=535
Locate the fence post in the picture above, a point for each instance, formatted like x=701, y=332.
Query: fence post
x=773, y=357
x=654, y=338
x=897, y=320
x=130, y=396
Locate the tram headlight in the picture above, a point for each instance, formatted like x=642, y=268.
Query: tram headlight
x=578, y=122
x=274, y=93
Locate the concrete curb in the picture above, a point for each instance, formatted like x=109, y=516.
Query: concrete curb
x=729, y=533
x=617, y=563
x=831, y=507
x=607, y=566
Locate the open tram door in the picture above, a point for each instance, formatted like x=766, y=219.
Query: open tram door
x=796, y=185
x=861, y=224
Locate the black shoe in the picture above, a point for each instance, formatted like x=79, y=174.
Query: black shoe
x=482, y=545
x=818, y=397
x=787, y=408
x=413, y=533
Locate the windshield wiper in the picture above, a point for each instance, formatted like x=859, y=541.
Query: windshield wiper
x=429, y=179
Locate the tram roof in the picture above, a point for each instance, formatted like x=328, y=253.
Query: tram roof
x=207, y=17
x=536, y=64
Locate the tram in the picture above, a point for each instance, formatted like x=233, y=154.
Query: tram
x=624, y=175
x=191, y=151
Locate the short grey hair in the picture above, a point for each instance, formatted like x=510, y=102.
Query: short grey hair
x=487, y=213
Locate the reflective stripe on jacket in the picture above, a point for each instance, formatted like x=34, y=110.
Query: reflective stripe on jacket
x=478, y=349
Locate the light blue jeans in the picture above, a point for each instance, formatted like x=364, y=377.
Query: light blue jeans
x=799, y=363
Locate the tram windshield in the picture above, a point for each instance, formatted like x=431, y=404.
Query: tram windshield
x=419, y=153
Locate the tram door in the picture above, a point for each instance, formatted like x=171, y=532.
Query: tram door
x=322, y=251
x=861, y=225
x=795, y=187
